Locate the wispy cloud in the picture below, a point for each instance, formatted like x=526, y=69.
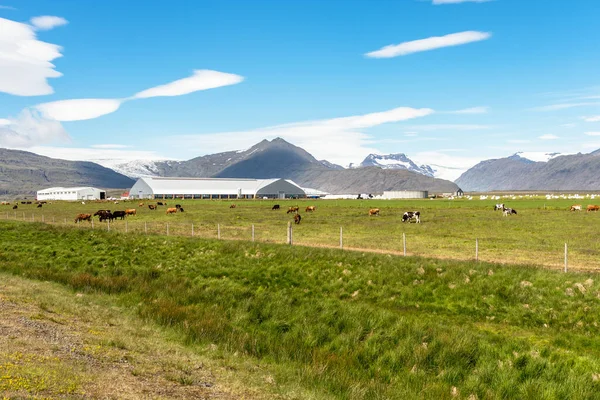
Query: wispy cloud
x=439, y=2
x=592, y=119
x=592, y=133
x=564, y=106
x=83, y=109
x=339, y=140
x=78, y=109
x=109, y=146
x=201, y=80
x=7, y=8
x=47, y=22
x=30, y=128
x=431, y=43
x=450, y=127
x=548, y=137
x=26, y=61
x=4, y=121
x=472, y=110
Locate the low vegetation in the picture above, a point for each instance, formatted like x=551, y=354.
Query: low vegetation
x=348, y=325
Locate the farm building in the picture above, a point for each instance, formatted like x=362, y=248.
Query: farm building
x=71, y=193
x=214, y=188
x=405, y=194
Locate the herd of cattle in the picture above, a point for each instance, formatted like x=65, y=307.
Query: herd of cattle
x=107, y=215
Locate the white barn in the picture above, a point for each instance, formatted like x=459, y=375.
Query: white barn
x=71, y=193
x=214, y=188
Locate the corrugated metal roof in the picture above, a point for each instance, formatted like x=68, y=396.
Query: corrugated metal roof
x=54, y=189
x=160, y=185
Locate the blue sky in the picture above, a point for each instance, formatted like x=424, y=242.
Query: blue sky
x=458, y=82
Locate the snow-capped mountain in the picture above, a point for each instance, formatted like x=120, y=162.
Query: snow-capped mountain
x=396, y=161
x=132, y=168
x=537, y=156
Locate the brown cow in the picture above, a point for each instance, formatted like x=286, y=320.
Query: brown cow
x=171, y=210
x=141, y=205
x=131, y=211
x=232, y=206
x=83, y=217
x=297, y=218
x=593, y=208
x=310, y=208
x=293, y=209
x=152, y=206
x=374, y=211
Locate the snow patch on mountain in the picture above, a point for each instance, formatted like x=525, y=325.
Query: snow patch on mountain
x=131, y=168
x=396, y=161
x=537, y=156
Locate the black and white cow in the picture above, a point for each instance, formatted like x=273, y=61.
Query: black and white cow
x=499, y=206
x=407, y=216
x=507, y=211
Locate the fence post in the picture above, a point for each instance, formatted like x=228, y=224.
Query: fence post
x=32, y=217
x=125, y=226
x=192, y=229
x=42, y=217
x=23, y=215
x=289, y=233
x=253, y=232
x=53, y=219
x=218, y=231
x=566, y=258
x=92, y=223
x=145, y=228
x=108, y=225
x=404, y=243
x=341, y=238
x=167, y=229
x=476, y=249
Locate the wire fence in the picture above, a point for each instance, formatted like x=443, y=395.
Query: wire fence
x=563, y=256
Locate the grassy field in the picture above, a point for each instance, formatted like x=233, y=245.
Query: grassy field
x=347, y=325
x=536, y=235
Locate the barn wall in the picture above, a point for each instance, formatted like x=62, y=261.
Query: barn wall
x=143, y=187
x=406, y=194
x=274, y=189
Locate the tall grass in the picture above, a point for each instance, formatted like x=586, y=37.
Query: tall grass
x=352, y=325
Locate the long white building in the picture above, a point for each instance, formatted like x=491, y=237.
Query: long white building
x=214, y=188
x=71, y=193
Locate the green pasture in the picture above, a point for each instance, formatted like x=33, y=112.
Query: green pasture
x=337, y=324
x=449, y=228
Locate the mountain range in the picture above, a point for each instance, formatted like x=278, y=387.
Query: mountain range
x=520, y=172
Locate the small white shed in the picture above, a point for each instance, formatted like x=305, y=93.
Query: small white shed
x=71, y=193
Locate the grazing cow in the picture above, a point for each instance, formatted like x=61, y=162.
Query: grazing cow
x=171, y=210
x=276, y=207
x=15, y=207
x=39, y=206
x=576, y=207
x=508, y=211
x=499, y=206
x=141, y=205
x=407, y=216
x=28, y=202
x=178, y=206
x=160, y=203
x=119, y=214
x=83, y=217
x=131, y=211
x=310, y=208
x=593, y=208
x=297, y=218
x=232, y=206
x=180, y=209
x=100, y=212
x=293, y=209
x=374, y=211
x=23, y=202
x=104, y=214
x=152, y=206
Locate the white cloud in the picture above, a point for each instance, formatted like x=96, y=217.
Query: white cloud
x=432, y=43
x=25, y=62
x=201, y=80
x=592, y=119
x=548, y=137
x=438, y=2
x=339, y=140
x=472, y=110
x=47, y=22
x=109, y=146
x=450, y=127
x=30, y=128
x=4, y=121
x=563, y=106
x=592, y=133
x=78, y=109
x=7, y=8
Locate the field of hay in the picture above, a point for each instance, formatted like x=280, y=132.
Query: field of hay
x=324, y=323
x=450, y=228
